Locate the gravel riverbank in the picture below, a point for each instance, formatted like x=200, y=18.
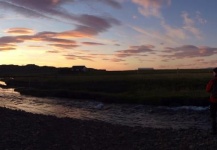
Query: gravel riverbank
x=21, y=130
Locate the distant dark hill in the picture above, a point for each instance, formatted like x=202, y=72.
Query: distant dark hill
x=31, y=69
x=34, y=70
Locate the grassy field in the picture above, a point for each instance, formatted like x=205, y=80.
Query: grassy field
x=154, y=87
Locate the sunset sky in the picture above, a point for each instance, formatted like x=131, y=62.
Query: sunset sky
x=109, y=34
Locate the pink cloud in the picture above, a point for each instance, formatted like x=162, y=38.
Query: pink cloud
x=151, y=7
x=190, y=51
x=135, y=50
x=92, y=43
x=9, y=40
x=95, y=23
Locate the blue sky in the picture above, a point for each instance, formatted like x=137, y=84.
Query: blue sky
x=109, y=34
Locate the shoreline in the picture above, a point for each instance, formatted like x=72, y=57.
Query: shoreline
x=22, y=130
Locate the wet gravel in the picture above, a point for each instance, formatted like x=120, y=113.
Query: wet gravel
x=21, y=130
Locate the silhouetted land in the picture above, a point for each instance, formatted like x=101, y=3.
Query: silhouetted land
x=34, y=70
x=153, y=87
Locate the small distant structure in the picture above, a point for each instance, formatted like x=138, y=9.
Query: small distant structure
x=79, y=69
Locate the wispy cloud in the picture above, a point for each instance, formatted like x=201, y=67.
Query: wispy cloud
x=92, y=43
x=53, y=51
x=80, y=57
x=170, y=34
x=184, y=32
x=189, y=51
x=5, y=5
x=116, y=60
x=154, y=36
x=52, y=9
x=112, y=3
x=36, y=8
x=174, y=32
x=95, y=24
x=200, y=19
x=135, y=51
x=48, y=8
x=189, y=25
x=151, y=7
x=64, y=46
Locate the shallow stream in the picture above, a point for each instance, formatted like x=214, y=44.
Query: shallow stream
x=125, y=114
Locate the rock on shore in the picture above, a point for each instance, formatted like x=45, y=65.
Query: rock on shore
x=21, y=130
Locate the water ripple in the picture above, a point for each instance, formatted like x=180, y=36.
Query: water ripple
x=130, y=115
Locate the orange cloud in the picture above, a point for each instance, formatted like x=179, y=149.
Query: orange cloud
x=73, y=34
x=117, y=60
x=74, y=57
x=45, y=37
x=64, y=46
x=53, y=51
x=20, y=31
x=59, y=39
x=7, y=47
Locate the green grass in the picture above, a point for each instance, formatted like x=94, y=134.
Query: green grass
x=162, y=87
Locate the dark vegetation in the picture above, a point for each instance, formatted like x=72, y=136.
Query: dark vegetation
x=153, y=87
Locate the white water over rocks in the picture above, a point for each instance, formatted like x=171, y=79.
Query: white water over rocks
x=130, y=115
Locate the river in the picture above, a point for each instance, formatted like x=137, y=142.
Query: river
x=125, y=114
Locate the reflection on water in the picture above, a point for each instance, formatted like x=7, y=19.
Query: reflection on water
x=131, y=115
x=2, y=83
